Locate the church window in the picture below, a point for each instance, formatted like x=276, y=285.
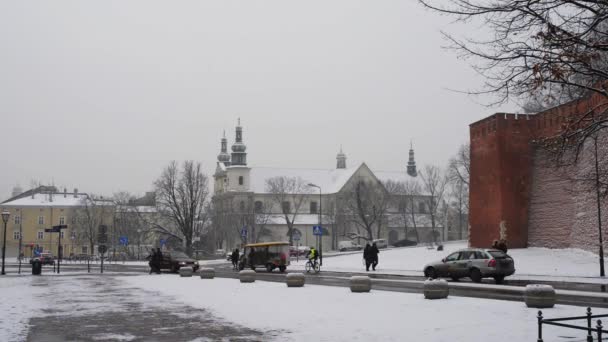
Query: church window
x=259, y=207
x=240, y=180
x=286, y=207
x=313, y=207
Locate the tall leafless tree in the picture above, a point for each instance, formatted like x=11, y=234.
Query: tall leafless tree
x=181, y=198
x=405, y=196
x=288, y=193
x=434, y=184
x=91, y=213
x=459, y=177
x=367, y=203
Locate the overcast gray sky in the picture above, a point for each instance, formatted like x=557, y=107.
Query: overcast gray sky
x=101, y=95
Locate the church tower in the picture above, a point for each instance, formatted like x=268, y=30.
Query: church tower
x=239, y=156
x=224, y=157
x=341, y=158
x=411, y=164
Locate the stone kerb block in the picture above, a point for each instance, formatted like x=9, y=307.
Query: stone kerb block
x=185, y=271
x=207, y=273
x=247, y=276
x=360, y=284
x=539, y=296
x=295, y=279
x=436, y=289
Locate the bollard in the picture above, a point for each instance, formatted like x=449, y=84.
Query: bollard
x=436, y=289
x=540, y=326
x=539, y=296
x=185, y=271
x=206, y=273
x=247, y=276
x=360, y=284
x=295, y=280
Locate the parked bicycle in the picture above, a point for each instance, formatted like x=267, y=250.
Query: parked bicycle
x=312, y=266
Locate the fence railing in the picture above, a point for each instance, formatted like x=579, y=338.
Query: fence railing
x=598, y=330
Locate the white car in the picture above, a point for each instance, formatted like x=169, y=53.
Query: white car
x=344, y=246
x=381, y=243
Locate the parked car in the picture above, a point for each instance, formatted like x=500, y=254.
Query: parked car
x=381, y=243
x=404, y=243
x=298, y=251
x=474, y=263
x=220, y=253
x=174, y=260
x=348, y=245
x=44, y=258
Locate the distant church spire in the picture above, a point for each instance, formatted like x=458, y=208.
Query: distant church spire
x=224, y=157
x=239, y=156
x=411, y=163
x=341, y=157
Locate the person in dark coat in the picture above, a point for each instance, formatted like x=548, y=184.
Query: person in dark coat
x=366, y=257
x=373, y=255
x=235, y=258
x=152, y=260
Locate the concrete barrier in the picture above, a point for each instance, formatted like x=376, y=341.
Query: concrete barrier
x=436, y=289
x=207, y=273
x=295, y=280
x=185, y=272
x=360, y=284
x=539, y=296
x=247, y=276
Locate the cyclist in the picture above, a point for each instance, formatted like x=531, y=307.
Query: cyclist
x=313, y=255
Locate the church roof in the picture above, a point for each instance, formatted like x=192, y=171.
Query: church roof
x=330, y=180
x=395, y=176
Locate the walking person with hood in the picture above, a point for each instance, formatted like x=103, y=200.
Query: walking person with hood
x=366, y=257
x=373, y=253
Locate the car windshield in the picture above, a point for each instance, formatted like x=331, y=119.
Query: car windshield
x=180, y=255
x=498, y=254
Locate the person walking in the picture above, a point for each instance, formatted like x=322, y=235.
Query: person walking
x=373, y=253
x=152, y=261
x=366, y=257
x=235, y=258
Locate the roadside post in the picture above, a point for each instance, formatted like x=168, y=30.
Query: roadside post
x=244, y=234
x=318, y=232
x=102, y=240
x=123, y=241
x=57, y=229
x=296, y=237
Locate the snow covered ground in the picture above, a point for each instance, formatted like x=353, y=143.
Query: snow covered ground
x=318, y=313
x=530, y=263
x=18, y=305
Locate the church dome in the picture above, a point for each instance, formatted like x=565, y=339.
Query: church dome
x=223, y=157
x=239, y=147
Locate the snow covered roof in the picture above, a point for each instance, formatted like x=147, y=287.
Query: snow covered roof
x=307, y=219
x=396, y=176
x=330, y=181
x=44, y=200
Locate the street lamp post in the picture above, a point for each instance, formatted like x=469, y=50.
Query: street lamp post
x=5, y=216
x=320, y=224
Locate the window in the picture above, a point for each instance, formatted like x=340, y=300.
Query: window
x=40, y=219
x=62, y=234
x=85, y=250
x=421, y=207
x=259, y=207
x=17, y=219
x=16, y=235
x=62, y=220
x=240, y=180
x=402, y=206
x=313, y=207
x=286, y=207
x=40, y=235
x=453, y=257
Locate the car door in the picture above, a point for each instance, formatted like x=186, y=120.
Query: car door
x=447, y=266
x=463, y=264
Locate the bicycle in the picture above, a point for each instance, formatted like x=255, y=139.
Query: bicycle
x=312, y=267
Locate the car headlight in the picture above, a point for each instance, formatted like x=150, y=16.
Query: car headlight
x=182, y=263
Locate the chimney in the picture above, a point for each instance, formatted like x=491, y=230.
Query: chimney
x=75, y=192
x=65, y=192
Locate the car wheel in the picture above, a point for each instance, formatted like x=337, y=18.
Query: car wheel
x=476, y=275
x=430, y=273
x=499, y=279
x=282, y=268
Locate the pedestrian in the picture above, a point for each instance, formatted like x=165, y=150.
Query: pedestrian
x=152, y=261
x=235, y=258
x=366, y=257
x=159, y=259
x=373, y=253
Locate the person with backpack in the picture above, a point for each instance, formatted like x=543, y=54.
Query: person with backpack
x=313, y=255
x=373, y=255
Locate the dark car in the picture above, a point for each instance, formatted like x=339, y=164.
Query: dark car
x=174, y=260
x=404, y=243
x=474, y=263
x=44, y=258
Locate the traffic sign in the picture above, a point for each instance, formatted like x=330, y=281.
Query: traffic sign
x=244, y=232
x=162, y=242
x=123, y=240
x=102, y=249
x=297, y=235
x=317, y=230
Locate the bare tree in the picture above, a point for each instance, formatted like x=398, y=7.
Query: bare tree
x=181, y=198
x=91, y=213
x=262, y=216
x=434, y=182
x=405, y=195
x=288, y=193
x=459, y=167
x=367, y=204
x=459, y=177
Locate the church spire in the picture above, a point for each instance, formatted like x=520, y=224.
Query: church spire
x=239, y=156
x=224, y=157
x=411, y=164
x=341, y=157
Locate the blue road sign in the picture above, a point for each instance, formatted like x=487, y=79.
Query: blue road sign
x=317, y=230
x=244, y=232
x=162, y=242
x=123, y=240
